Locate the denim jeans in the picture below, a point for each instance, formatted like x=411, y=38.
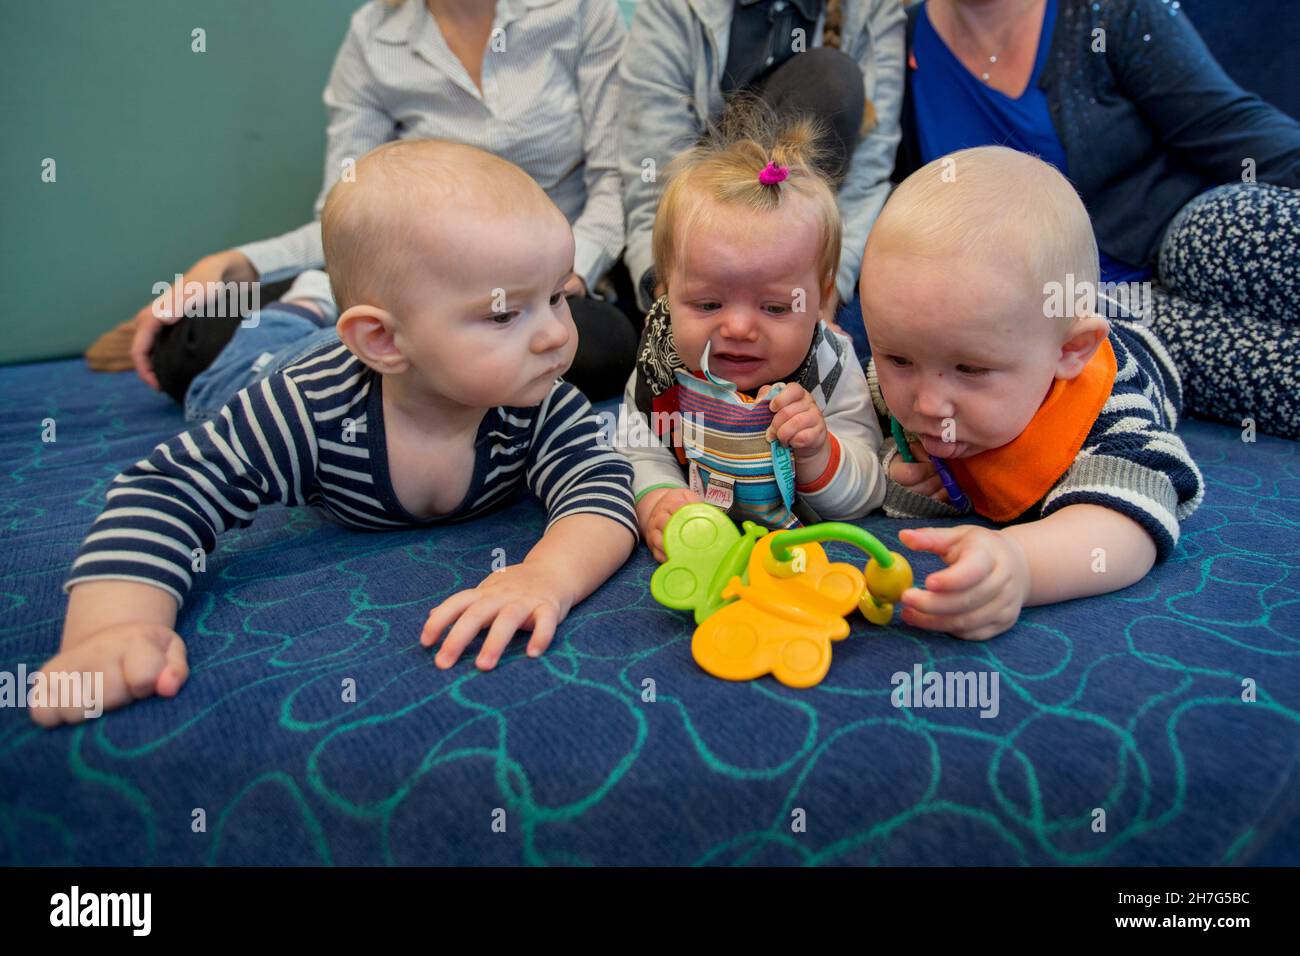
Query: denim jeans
x=282, y=335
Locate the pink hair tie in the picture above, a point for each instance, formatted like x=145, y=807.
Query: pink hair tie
x=771, y=174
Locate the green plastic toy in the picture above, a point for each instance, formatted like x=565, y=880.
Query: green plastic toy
x=705, y=551
x=771, y=602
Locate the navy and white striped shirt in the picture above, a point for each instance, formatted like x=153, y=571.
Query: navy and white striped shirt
x=313, y=434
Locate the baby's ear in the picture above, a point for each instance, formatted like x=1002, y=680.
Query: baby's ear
x=368, y=332
x=1084, y=337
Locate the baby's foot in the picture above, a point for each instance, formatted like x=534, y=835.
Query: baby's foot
x=135, y=661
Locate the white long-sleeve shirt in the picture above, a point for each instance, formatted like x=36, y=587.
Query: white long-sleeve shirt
x=548, y=105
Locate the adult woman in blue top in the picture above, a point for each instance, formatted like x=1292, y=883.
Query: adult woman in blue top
x=1191, y=181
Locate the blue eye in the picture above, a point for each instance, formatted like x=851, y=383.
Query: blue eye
x=501, y=318
x=708, y=306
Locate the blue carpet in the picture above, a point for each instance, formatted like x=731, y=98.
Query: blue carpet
x=1130, y=703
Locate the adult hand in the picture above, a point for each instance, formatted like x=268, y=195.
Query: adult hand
x=229, y=266
x=574, y=285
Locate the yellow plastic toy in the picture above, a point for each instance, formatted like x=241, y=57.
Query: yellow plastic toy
x=771, y=603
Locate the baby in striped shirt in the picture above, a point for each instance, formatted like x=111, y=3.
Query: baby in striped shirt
x=981, y=301
x=436, y=398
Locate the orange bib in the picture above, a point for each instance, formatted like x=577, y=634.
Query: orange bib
x=1003, y=483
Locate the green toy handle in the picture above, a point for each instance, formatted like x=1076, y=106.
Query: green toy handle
x=783, y=541
x=900, y=439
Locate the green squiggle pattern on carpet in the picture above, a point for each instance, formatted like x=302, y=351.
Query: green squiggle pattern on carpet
x=1130, y=703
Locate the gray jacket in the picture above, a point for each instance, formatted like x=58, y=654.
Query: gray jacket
x=671, y=80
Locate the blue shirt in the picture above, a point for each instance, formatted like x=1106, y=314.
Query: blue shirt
x=955, y=110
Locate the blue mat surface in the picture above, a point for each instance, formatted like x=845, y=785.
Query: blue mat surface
x=1131, y=703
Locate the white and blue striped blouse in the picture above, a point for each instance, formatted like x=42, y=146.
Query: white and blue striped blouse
x=548, y=105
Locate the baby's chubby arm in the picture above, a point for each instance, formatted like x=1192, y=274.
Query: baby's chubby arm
x=586, y=487
x=577, y=554
x=992, y=574
x=1063, y=552
x=124, y=630
x=135, y=566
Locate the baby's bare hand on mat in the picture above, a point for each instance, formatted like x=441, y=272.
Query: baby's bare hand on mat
x=519, y=597
x=136, y=661
x=981, y=591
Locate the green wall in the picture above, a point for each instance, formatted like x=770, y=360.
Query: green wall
x=162, y=154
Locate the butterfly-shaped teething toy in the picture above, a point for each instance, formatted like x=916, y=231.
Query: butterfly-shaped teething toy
x=771, y=603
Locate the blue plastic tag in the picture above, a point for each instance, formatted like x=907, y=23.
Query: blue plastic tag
x=783, y=465
x=782, y=460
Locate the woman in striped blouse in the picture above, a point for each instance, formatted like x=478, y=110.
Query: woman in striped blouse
x=532, y=81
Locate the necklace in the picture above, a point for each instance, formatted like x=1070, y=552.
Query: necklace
x=1002, y=44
